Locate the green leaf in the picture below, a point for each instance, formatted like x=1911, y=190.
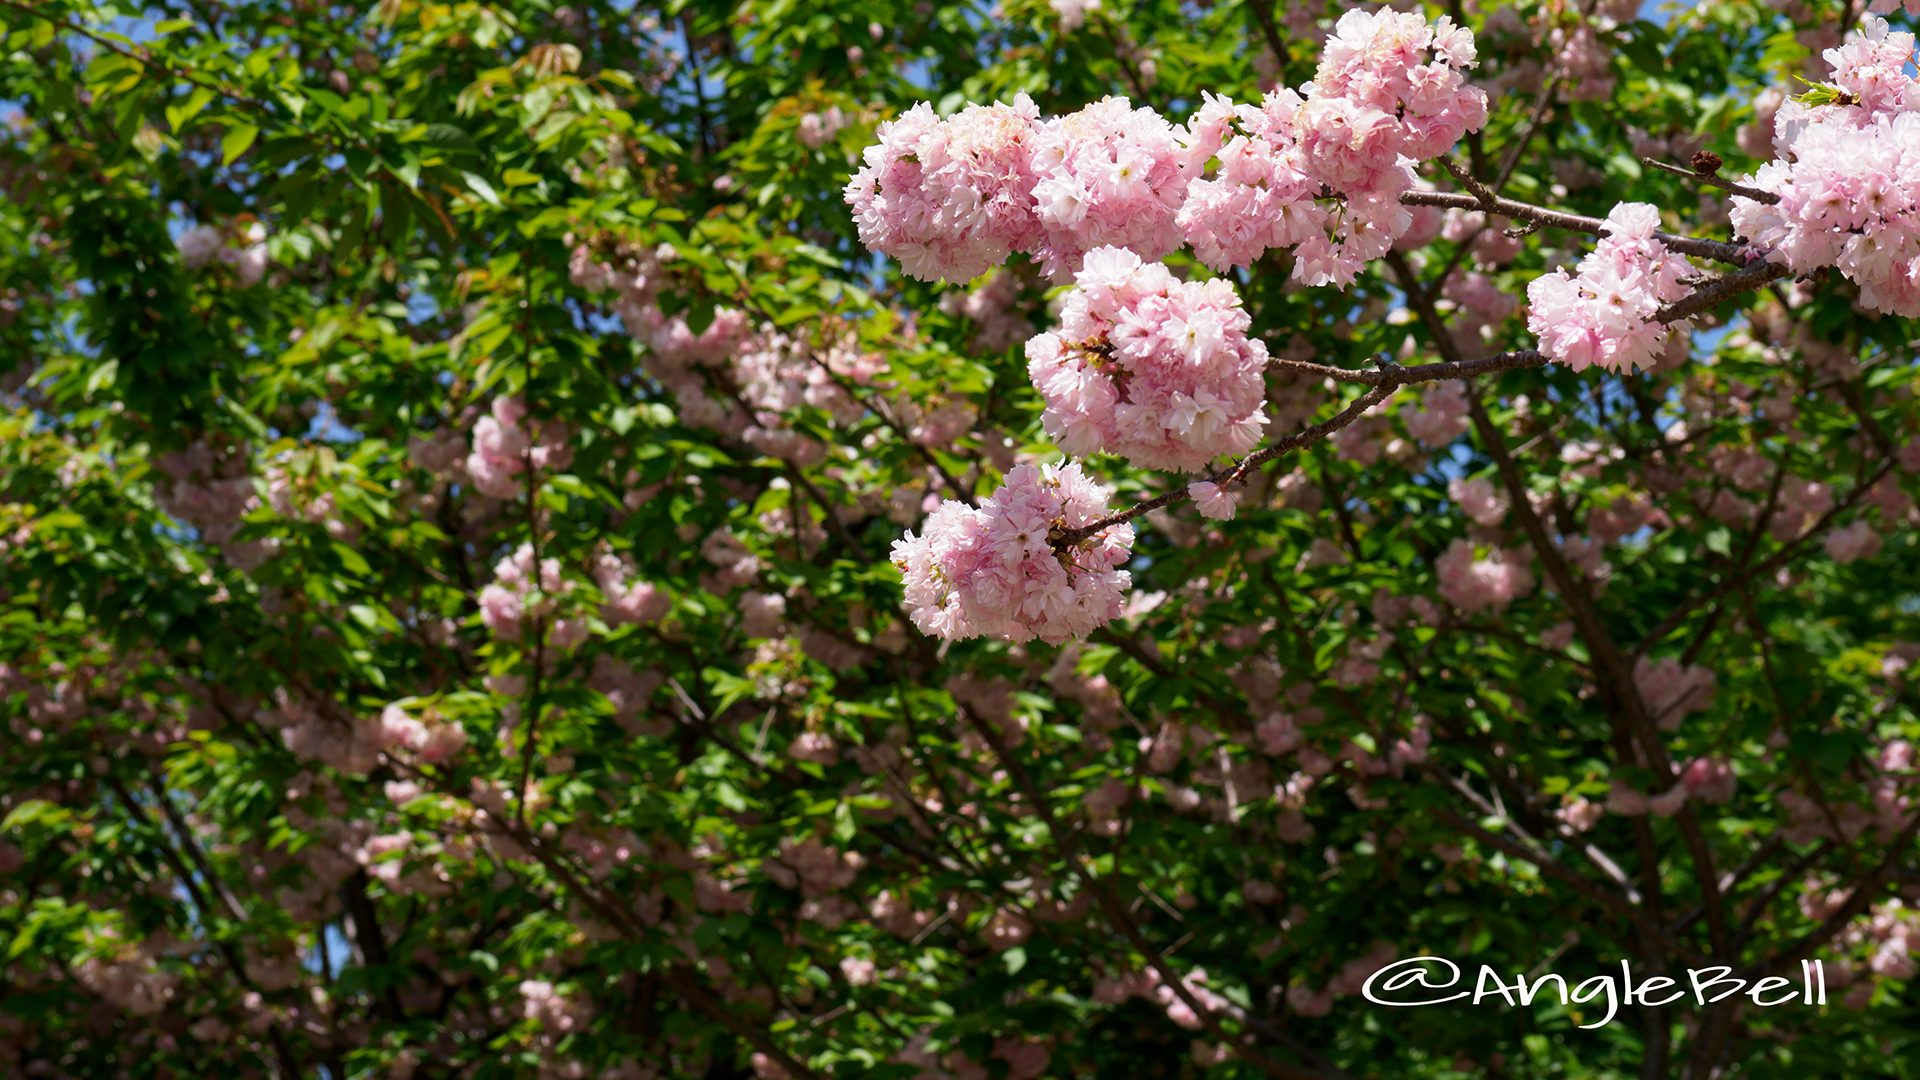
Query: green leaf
x=1642, y=47
x=178, y=115
x=535, y=103
x=729, y=796
x=1823, y=94
x=350, y=560
x=553, y=125
x=236, y=141
x=31, y=811
x=482, y=188
x=102, y=377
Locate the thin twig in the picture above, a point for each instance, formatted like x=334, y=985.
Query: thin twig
x=1718, y=250
x=1712, y=180
x=1419, y=373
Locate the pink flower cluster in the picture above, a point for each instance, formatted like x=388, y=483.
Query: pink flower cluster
x=951, y=198
x=1442, y=416
x=244, y=249
x=1702, y=780
x=776, y=374
x=1352, y=977
x=816, y=127
x=812, y=868
x=1856, y=541
x=1671, y=690
x=1390, y=90
x=732, y=377
x=355, y=746
x=435, y=739
x=635, y=276
x=1155, y=369
x=629, y=692
x=1580, y=815
x=1848, y=176
x=1072, y=13
x=1882, y=942
x=504, y=444
x=208, y=485
x=519, y=593
x=135, y=984
x=1149, y=986
x=1888, y=809
x=994, y=309
x=1708, y=780
x=1473, y=583
x=1109, y=175
x=994, y=571
x=1584, y=58
x=551, y=1009
x=629, y=600
x=1607, y=313
x=1478, y=304
x=1479, y=499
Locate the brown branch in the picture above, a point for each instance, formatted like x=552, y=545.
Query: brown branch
x=221, y=944
x=1633, y=728
x=1718, y=250
x=1397, y=376
x=368, y=939
x=682, y=981
x=1712, y=180
x=1714, y=291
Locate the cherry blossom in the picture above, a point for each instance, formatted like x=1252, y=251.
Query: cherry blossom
x=950, y=198
x=1155, y=369
x=1605, y=315
x=1110, y=175
x=994, y=571
x=1845, y=172
x=1390, y=91
x=1475, y=583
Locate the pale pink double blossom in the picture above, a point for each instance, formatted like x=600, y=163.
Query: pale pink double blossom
x=995, y=571
x=1475, y=583
x=1606, y=314
x=1847, y=174
x=1155, y=369
x=1320, y=170
x=1390, y=91
x=506, y=444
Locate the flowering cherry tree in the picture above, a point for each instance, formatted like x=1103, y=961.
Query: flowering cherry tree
x=957, y=541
